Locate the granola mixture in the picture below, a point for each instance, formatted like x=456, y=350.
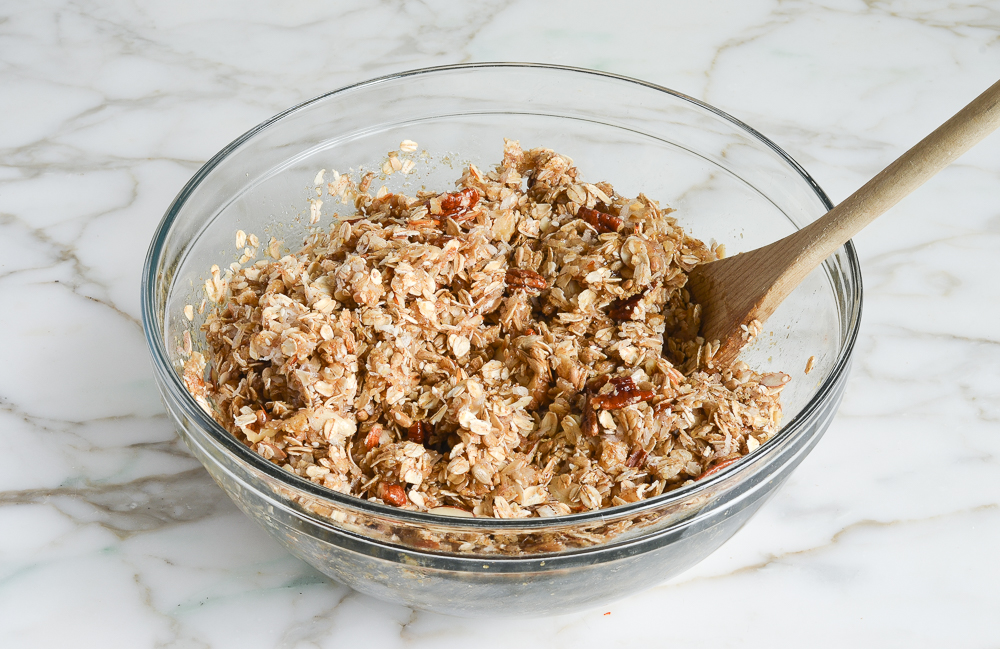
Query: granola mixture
x=523, y=346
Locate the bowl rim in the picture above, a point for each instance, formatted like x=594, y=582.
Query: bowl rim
x=163, y=366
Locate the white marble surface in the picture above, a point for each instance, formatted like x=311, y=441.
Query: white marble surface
x=111, y=535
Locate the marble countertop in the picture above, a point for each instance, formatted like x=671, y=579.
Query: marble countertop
x=112, y=535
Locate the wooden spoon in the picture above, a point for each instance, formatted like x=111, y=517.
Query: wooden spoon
x=736, y=291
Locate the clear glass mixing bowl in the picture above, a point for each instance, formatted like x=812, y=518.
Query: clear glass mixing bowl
x=727, y=183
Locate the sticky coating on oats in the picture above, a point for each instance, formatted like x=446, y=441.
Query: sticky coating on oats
x=520, y=345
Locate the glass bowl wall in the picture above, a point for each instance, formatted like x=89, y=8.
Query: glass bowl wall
x=726, y=182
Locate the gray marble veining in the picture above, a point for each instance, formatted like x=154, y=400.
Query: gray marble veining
x=111, y=535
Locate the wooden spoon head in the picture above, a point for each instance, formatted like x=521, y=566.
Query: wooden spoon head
x=736, y=295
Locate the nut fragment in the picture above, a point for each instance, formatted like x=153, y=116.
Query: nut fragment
x=419, y=432
x=601, y=221
x=622, y=309
x=454, y=204
x=636, y=459
x=625, y=393
x=392, y=494
x=717, y=467
x=529, y=280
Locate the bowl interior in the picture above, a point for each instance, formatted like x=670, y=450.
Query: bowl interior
x=726, y=182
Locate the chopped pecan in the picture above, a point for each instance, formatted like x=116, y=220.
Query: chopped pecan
x=459, y=201
x=625, y=393
x=588, y=423
x=602, y=221
x=392, y=493
x=636, y=459
x=419, y=432
x=718, y=467
x=454, y=205
x=622, y=310
x=597, y=383
x=528, y=280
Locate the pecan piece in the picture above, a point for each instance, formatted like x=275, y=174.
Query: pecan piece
x=597, y=383
x=622, y=310
x=636, y=459
x=602, y=221
x=392, y=493
x=625, y=393
x=718, y=467
x=588, y=423
x=419, y=432
x=454, y=205
x=528, y=280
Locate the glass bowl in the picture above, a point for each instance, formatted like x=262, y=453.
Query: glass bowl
x=727, y=182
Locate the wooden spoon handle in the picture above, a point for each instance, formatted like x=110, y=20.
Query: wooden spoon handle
x=737, y=291
x=820, y=239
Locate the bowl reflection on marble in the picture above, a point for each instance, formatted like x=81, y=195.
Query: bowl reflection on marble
x=725, y=180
